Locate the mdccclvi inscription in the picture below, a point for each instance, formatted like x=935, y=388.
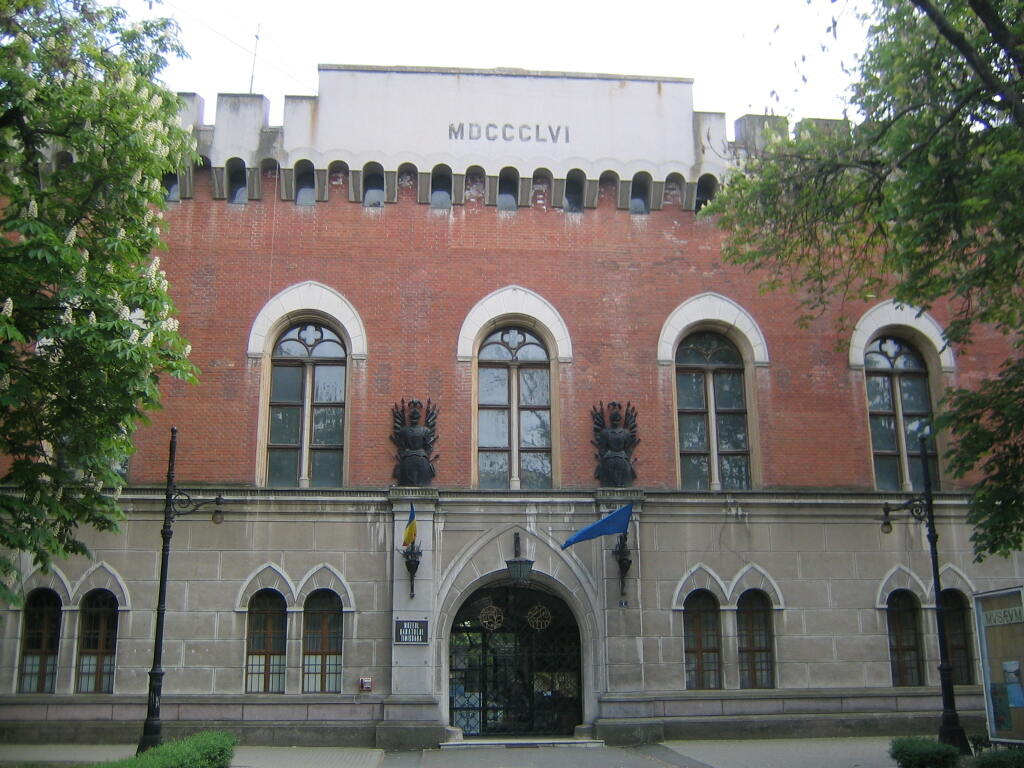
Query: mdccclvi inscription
x=542, y=133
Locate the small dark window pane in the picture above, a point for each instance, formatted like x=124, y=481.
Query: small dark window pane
x=329, y=384
x=326, y=469
x=693, y=432
x=690, y=390
x=493, y=469
x=494, y=386
x=285, y=425
x=534, y=429
x=495, y=352
x=531, y=352
x=729, y=390
x=534, y=386
x=493, y=428
x=883, y=433
x=328, y=426
x=735, y=472
x=535, y=473
x=732, y=431
x=880, y=393
x=887, y=473
x=373, y=191
x=695, y=473
x=282, y=468
x=286, y=384
x=914, y=394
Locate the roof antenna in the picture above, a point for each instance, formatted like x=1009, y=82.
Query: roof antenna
x=253, y=74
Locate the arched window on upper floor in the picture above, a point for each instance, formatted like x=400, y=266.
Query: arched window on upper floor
x=640, y=194
x=903, y=617
x=321, y=642
x=266, y=638
x=707, y=188
x=702, y=640
x=307, y=408
x=957, y=614
x=172, y=187
x=508, y=189
x=900, y=412
x=575, y=188
x=338, y=178
x=441, y=188
x=97, y=642
x=714, y=448
x=373, y=186
x=674, y=185
x=514, y=411
x=40, y=638
x=756, y=641
x=237, y=188
x=305, y=183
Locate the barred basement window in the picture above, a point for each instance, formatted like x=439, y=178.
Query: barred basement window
x=957, y=614
x=702, y=639
x=754, y=624
x=321, y=643
x=97, y=642
x=714, y=452
x=307, y=409
x=902, y=614
x=39, y=642
x=900, y=410
x=265, y=643
x=514, y=411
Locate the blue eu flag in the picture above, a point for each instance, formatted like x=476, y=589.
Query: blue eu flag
x=616, y=522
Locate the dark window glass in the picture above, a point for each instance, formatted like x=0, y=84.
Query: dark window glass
x=172, y=189
x=238, y=191
x=957, y=614
x=574, y=186
x=508, y=191
x=899, y=415
x=321, y=643
x=265, y=643
x=754, y=624
x=902, y=614
x=39, y=642
x=514, y=411
x=441, y=189
x=305, y=183
x=97, y=642
x=702, y=638
x=373, y=190
x=712, y=414
x=639, y=196
x=307, y=409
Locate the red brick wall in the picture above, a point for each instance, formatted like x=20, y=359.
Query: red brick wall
x=413, y=274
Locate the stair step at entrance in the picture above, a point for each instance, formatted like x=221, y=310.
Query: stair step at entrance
x=521, y=743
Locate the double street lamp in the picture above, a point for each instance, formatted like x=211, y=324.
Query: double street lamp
x=921, y=508
x=176, y=503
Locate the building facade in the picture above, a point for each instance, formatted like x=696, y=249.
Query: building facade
x=507, y=254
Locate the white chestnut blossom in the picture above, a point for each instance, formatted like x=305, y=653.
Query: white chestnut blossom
x=69, y=239
x=8, y=308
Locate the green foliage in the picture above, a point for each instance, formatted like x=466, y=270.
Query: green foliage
x=923, y=202
x=922, y=752
x=86, y=324
x=207, y=749
x=1000, y=758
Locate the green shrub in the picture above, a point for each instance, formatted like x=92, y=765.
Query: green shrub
x=1001, y=758
x=921, y=752
x=208, y=749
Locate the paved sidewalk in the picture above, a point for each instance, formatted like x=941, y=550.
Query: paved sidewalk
x=868, y=752
x=245, y=757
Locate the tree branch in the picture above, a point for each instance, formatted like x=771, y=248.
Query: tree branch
x=960, y=43
x=999, y=31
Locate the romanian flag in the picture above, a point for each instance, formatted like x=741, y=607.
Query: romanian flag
x=410, y=528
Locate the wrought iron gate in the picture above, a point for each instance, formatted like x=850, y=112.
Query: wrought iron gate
x=514, y=664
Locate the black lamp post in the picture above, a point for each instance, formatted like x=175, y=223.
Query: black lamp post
x=922, y=510
x=176, y=503
x=519, y=567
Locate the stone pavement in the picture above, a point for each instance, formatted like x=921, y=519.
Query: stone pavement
x=765, y=753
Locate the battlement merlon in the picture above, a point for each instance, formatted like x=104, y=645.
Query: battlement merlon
x=463, y=118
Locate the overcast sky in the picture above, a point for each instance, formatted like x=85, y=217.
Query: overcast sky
x=745, y=56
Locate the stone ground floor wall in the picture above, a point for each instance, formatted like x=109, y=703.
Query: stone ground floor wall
x=820, y=559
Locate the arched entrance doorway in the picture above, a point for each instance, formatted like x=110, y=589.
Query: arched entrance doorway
x=514, y=664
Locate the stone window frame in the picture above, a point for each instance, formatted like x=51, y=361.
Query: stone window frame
x=695, y=652
x=308, y=301
x=273, y=673
x=903, y=628
x=751, y=653
x=918, y=328
x=327, y=635
x=99, y=619
x=514, y=305
x=714, y=312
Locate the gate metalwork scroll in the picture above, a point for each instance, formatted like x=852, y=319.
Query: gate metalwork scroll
x=515, y=664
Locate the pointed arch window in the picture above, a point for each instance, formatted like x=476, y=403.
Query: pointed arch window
x=39, y=642
x=957, y=614
x=97, y=642
x=321, y=643
x=756, y=654
x=714, y=450
x=702, y=638
x=900, y=411
x=265, y=643
x=514, y=411
x=903, y=618
x=307, y=408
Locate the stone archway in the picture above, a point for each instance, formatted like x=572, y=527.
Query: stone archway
x=515, y=664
